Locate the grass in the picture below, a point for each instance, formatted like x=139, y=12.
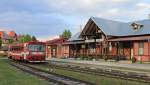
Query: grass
x=99, y=80
x=11, y=76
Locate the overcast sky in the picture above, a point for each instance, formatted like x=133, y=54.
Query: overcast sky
x=48, y=18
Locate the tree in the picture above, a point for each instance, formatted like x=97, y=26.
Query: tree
x=1, y=42
x=34, y=38
x=11, y=41
x=25, y=38
x=66, y=34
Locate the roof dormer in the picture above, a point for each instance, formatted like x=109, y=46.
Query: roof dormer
x=136, y=26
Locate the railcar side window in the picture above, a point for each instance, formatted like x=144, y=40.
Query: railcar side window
x=36, y=47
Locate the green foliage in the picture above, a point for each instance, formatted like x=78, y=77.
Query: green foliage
x=86, y=58
x=28, y=38
x=0, y=42
x=133, y=60
x=25, y=38
x=66, y=34
x=11, y=41
x=34, y=38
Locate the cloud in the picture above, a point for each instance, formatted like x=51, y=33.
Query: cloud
x=45, y=38
x=78, y=7
x=121, y=1
x=112, y=11
x=142, y=6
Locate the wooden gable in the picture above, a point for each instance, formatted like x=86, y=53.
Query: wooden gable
x=91, y=30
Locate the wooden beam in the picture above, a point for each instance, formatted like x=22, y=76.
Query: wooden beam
x=86, y=27
x=91, y=28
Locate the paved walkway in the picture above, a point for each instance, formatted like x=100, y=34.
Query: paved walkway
x=110, y=64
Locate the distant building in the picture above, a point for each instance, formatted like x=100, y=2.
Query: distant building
x=6, y=36
x=12, y=35
x=56, y=48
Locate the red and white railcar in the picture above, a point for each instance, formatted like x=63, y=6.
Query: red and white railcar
x=30, y=52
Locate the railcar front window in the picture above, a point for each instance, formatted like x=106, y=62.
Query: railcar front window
x=36, y=47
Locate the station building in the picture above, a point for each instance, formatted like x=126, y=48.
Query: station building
x=103, y=38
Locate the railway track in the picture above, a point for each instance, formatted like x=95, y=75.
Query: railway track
x=51, y=77
x=131, y=76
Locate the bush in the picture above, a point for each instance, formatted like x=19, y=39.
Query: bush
x=133, y=60
x=63, y=57
x=90, y=58
x=86, y=58
x=105, y=58
x=117, y=58
x=81, y=57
